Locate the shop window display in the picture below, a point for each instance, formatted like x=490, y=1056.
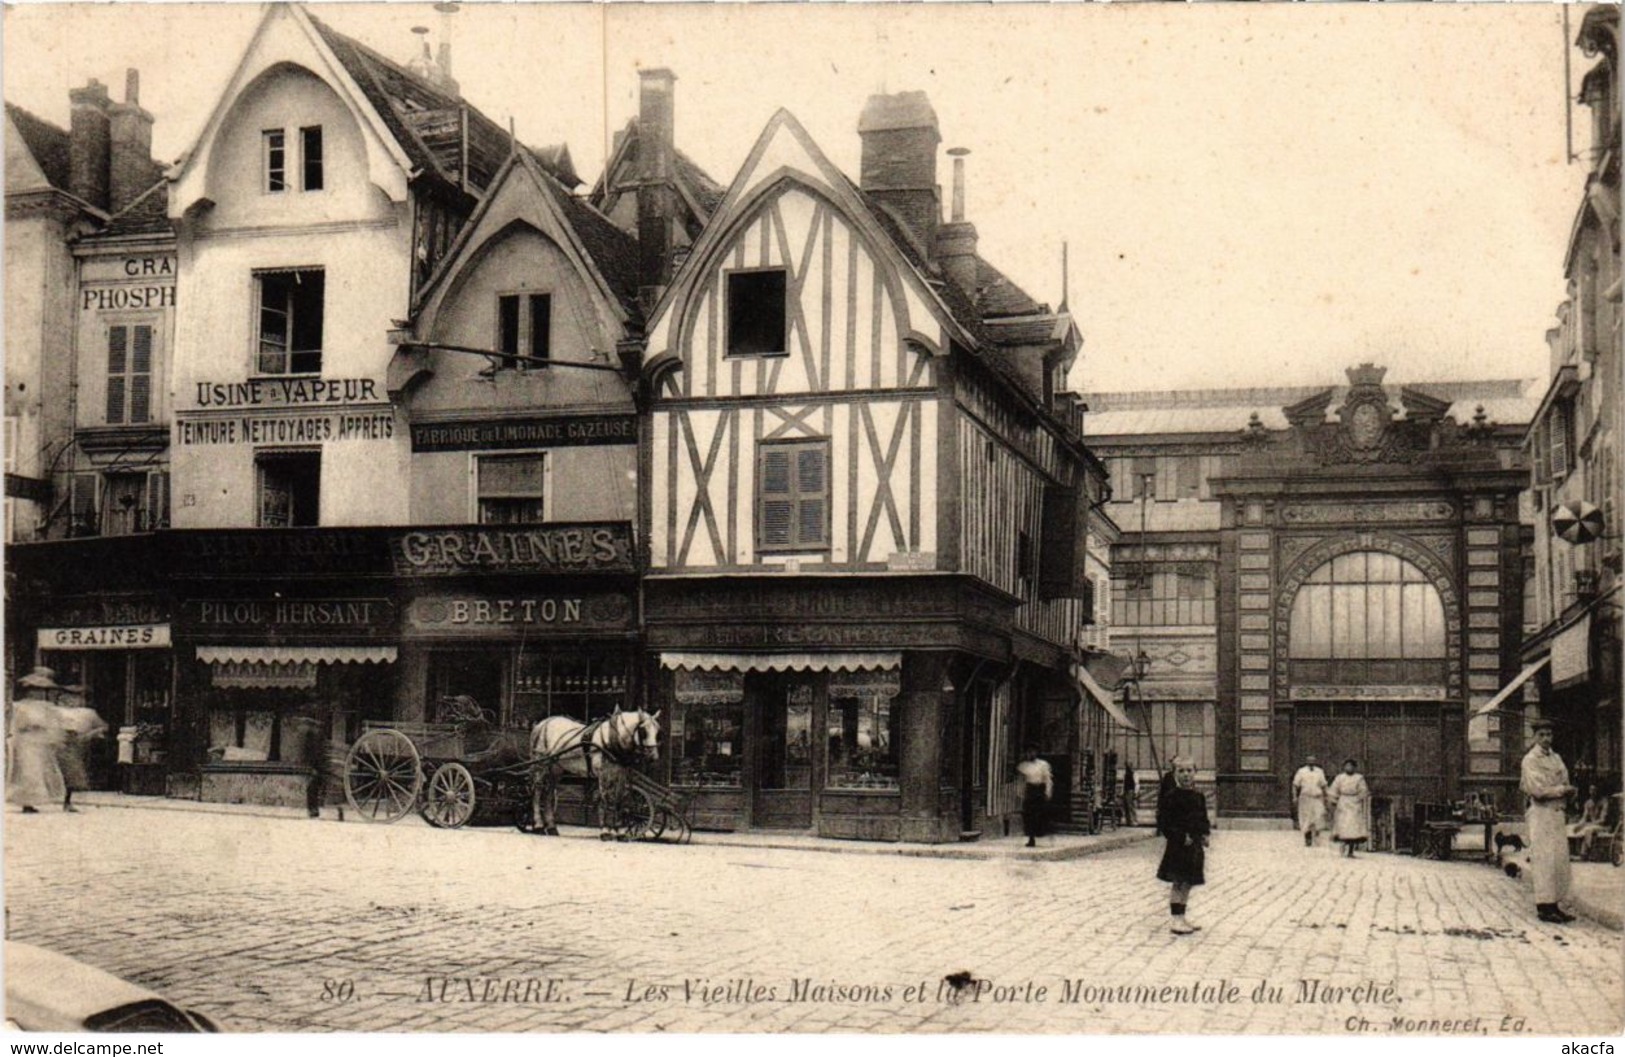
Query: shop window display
x=708, y=740
x=862, y=743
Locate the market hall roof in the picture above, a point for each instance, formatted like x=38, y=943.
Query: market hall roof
x=1505, y=402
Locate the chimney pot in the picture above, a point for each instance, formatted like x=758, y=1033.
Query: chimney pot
x=657, y=197
x=129, y=158
x=899, y=166
x=88, y=143
x=958, y=155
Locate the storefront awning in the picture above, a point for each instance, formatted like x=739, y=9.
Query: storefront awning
x=1511, y=688
x=781, y=662
x=296, y=654
x=1093, y=689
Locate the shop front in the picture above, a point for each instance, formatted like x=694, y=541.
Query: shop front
x=115, y=649
x=860, y=709
x=257, y=669
x=529, y=622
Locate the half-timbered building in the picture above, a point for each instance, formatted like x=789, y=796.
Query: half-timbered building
x=866, y=491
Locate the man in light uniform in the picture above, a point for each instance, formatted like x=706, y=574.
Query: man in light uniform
x=1309, y=793
x=1545, y=781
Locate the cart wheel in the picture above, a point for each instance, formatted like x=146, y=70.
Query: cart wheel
x=634, y=816
x=382, y=776
x=448, y=799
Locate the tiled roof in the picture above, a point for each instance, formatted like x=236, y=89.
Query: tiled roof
x=427, y=122
x=47, y=143
x=996, y=295
x=612, y=250
x=148, y=214
x=706, y=191
x=708, y=194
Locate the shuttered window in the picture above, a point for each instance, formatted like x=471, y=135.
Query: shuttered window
x=512, y=489
x=792, y=496
x=129, y=374
x=525, y=327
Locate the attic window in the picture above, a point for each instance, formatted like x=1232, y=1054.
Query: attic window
x=310, y=157
x=525, y=326
x=756, y=313
x=275, y=144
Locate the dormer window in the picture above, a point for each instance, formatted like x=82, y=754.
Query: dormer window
x=756, y=313
x=310, y=157
x=275, y=150
x=524, y=327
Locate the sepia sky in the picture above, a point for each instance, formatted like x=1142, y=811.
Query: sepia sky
x=1252, y=194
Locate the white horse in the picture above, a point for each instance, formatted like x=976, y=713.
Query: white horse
x=561, y=745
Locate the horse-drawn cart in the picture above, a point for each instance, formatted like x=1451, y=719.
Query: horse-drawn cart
x=465, y=765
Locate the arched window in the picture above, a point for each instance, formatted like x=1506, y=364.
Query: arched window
x=1367, y=606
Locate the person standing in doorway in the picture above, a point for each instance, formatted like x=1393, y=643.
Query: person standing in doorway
x=1309, y=797
x=1037, y=786
x=1545, y=781
x=1182, y=820
x=1351, y=806
x=313, y=747
x=1131, y=791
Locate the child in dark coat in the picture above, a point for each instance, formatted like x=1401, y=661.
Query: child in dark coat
x=1182, y=819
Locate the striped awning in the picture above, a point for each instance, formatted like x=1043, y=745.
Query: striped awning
x=781, y=662
x=1511, y=688
x=1091, y=688
x=296, y=654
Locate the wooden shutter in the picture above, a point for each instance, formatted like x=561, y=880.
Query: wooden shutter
x=156, y=514
x=541, y=326
x=82, y=489
x=118, y=363
x=1190, y=476
x=140, y=374
x=776, y=501
x=508, y=325
x=812, y=491
x=1057, y=573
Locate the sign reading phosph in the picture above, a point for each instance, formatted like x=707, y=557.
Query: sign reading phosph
x=488, y=434
x=121, y=637
x=587, y=548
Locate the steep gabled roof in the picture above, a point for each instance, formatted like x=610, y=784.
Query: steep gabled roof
x=703, y=193
x=609, y=250
x=47, y=143
x=428, y=122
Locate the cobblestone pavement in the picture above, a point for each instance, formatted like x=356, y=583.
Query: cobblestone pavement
x=290, y=925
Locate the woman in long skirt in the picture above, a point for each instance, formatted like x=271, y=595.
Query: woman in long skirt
x=1351, y=810
x=1182, y=819
x=1037, y=786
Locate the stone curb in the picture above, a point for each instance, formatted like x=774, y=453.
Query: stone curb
x=1086, y=846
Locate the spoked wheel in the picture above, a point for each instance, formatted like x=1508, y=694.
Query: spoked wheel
x=382, y=776
x=448, y=800
x=635, y=816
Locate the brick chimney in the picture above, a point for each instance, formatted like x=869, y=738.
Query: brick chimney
x=129, y=166
x=657, y=197
x=899, y=167
x=955, y=247
x=88, y=136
